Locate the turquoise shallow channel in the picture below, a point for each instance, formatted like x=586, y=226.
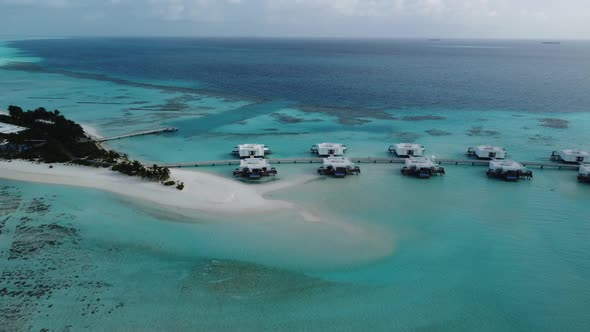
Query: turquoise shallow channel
x=458, y=252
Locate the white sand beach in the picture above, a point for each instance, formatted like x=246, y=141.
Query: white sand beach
x=203, y=191
x=91, y=131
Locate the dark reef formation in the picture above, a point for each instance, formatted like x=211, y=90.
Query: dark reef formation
x=437, y=132
x=348, y=115
x=407, y=136
x=480, y=131
x=288, y=119
x=416, y=118
x=43, y=260
x=554, y=123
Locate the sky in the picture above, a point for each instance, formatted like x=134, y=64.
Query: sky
x=564, y=19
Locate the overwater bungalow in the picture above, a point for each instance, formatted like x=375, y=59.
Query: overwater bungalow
x=584, y=173
x=487, y=152
x=508, y=170
x=406, y=150
x=338, y=167
x=329, y=149
x=572, y=156
x=254, y=168
x=421, y=167
x=251, y=150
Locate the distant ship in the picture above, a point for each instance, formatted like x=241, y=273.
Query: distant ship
x=551, y=42
x=434, y=39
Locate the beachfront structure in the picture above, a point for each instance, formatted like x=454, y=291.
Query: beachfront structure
x=421, y=167
x=406, y=150
x=338, y=167
x=508, y=170
x=584, y=173
x=329, y=149
x=6, y=128
x=571, y=156
x=487, y=152
x=251, y=150
x=254, y=168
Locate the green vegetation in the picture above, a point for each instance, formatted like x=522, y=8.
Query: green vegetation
x=50, y=137
x=135, y=168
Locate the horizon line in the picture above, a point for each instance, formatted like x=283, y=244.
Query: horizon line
x=542, y=39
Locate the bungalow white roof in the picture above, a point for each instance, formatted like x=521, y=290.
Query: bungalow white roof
x=575, y=153
x=488, y=152
x=254, y=163
x=338, y=162
x=505, y=165
x=245, y=150
x=585, y=169
x=6, y=128
x=408, y=149
x=420, y=162
x=250, y=146
x=409, y=146
x=330, y=145
x=490, y=148
x=326, y=149
x=3, y=142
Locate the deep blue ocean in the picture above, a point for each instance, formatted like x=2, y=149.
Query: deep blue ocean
x=387, y=253
x=381, y=74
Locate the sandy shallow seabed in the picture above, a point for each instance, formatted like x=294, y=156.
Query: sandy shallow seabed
x=226, y=201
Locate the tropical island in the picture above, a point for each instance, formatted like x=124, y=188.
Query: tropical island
x=49, y=137
x=42, y=146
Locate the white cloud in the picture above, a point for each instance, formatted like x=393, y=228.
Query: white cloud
x=452, y=18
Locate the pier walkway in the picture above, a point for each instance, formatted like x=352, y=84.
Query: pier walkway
x=369, y=160
x=139, y=133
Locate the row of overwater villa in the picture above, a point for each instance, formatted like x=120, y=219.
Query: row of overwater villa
x=253, y=164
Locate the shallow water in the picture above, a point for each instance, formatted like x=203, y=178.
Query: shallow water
x=459, y=252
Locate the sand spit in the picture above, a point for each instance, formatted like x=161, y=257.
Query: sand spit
x=203, y=191
x=210, y=194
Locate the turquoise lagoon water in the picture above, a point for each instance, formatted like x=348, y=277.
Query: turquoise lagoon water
x=458, y=252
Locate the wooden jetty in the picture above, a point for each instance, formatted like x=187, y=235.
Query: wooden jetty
x=369, y=160
x=140, y=133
